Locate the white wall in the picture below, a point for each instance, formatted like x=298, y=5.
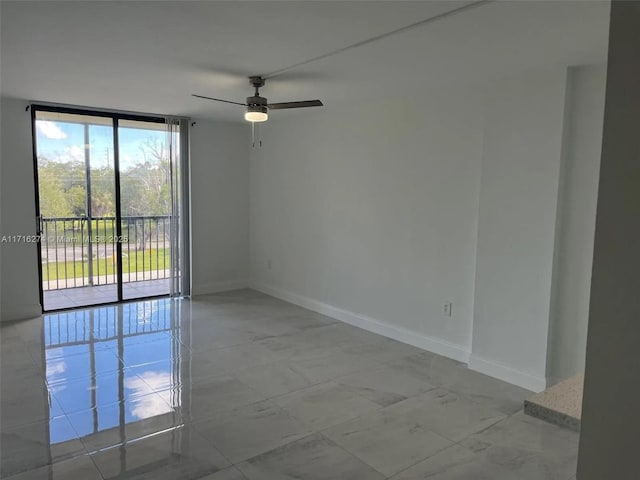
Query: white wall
x=17, y=201
x=517, y=219
x=379, y=214
x=369, y=213
x=576, y=226
x=610, y=419
x=219, y=206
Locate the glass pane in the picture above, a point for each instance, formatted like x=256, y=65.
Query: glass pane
x=76, y=186
x=145, y=197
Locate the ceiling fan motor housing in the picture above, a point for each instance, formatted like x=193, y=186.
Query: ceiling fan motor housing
x=257, y=104
x=256, y=81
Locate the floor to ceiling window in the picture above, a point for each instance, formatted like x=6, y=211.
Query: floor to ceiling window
x=110, y=205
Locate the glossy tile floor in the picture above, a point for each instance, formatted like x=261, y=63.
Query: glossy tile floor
x=243, y=386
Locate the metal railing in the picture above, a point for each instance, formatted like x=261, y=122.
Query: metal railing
x=78, y=252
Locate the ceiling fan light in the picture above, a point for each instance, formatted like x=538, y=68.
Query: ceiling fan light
x=256, y=117
x=256, y=113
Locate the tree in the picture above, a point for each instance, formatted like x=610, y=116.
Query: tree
x=103, y=192
x=54, y=181
x=53, y=202
x=145, y=188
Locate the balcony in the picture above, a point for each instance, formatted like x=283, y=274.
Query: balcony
x=79, y=259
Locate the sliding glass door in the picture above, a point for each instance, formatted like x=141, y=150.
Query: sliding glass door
x=109, y=207
x=145, y=199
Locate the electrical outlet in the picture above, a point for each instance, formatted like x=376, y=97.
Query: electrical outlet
x=447, y=309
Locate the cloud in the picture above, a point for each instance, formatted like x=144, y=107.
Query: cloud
x=75, y=152
x=50, y=130
x=155, y=380
x=148, y=406
x=55, y=368
x=143, y=404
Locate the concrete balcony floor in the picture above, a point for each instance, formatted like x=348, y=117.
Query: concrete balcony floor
x=93, y=295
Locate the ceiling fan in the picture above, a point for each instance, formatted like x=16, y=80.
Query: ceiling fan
x=257, y=106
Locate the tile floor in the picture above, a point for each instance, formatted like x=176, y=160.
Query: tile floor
x=241, y=386
x=82, y=296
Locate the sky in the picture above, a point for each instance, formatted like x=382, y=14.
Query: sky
x=63, y=142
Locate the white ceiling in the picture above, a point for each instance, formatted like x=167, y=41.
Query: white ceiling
x=150, y=56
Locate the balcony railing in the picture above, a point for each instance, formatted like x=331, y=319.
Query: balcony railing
x=78, y=252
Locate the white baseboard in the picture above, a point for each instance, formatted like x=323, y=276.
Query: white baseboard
x=217, y=287
x=431, y=344
x=507, y=374
x=21, y=312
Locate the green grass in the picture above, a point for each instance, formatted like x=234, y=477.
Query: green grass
x=72, y=232
x=153, y=260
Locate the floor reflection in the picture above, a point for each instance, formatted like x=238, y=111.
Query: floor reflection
x=111, y=367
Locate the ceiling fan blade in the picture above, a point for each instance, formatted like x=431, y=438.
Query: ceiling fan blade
x=307, y=103
x=218, y=100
